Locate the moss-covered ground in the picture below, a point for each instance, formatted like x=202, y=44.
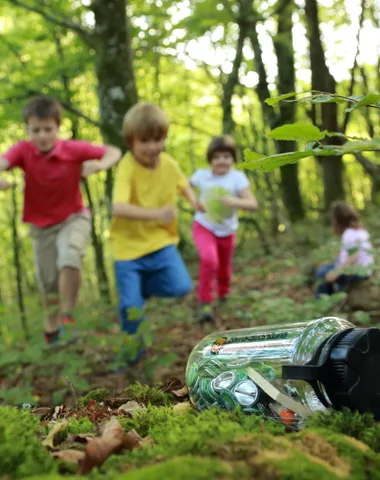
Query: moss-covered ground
x=179, y=443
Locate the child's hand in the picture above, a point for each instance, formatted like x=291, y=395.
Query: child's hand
x=230, y=202
x=199, y=207
x=331, y=276
x=166, y=214
x=90, y=167
x=4, y=185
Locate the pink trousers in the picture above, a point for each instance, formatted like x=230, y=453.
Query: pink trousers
x=215, y=255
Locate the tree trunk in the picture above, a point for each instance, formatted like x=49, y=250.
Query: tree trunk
x=262, y=88
x=233, y=78
x=283, y=44
x=322, y=80
x=18, y=264
x=114, y=69
x=272, y=120
x=100, y=267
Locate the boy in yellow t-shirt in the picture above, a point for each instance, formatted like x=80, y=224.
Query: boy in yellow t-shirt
x=144, y=229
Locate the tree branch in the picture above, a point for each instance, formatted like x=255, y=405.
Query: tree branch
x=86, y=35
x=371, y=168
x=13, y=49
x=67, y=106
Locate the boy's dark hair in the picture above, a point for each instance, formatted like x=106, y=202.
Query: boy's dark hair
x=344, y=216
x=222, y=143
x=44, y=107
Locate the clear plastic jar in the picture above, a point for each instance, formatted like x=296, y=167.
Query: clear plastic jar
x=288, y=371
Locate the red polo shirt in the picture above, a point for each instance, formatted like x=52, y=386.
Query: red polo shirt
x=52, y=180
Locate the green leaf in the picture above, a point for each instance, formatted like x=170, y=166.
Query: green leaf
x=322, y=99
x=356, y=98
x=275, y=100
x=264, y=163
x=351, y=109
x=361, y=146
x=296, y=131
x=369, y=99
x=327, y=99
x=334, y=134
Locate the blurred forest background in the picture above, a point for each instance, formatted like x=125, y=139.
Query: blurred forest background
x=210, y=65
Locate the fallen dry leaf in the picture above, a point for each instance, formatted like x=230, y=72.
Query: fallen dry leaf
x=58, y=427
x=133, y=434
x=113, y=440
x=71, y=456
x=80, y=437
x=182, y=392
x=42, y=412
x=182, y=408
x=130, y=407
x=172, y=384
x=58, y=411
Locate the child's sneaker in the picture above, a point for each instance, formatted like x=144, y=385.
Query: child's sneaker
x=52, y=337
x=206, y=313
x=66, y=318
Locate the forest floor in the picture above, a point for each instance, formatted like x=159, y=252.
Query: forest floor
x=266, y=290
x=60, y=433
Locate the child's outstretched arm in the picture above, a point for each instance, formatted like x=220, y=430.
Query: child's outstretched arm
x=332, y=275
x=122, y=206
x=162, y=215
x=110, y=158
x=246, y=200
x=4, y=184
x=189, y=194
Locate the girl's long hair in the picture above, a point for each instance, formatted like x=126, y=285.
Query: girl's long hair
x=344, y=216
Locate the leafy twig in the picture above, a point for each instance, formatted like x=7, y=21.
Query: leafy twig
x=58, y=21
x=73, y=390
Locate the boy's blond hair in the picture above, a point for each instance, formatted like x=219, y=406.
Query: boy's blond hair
x=144, y=120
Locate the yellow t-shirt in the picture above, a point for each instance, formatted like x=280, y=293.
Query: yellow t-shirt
x=137, y=185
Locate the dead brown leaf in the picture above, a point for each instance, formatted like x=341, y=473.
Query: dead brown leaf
x=58, y=411
x=80, y=437
x=113, y=440
x=71, y=456
x=171, y=384
x=130, y=407
x=182, y=392
x=42, y=412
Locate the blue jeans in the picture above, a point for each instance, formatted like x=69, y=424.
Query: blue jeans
x=341, y=283
x=158, y=274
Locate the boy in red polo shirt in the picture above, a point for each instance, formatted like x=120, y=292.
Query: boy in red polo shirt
x=53, y=205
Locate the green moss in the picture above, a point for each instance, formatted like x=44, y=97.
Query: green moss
x=188, y=468
x=147, y=395
x=356, y=425
x=21, y=452
x=98, y=395
x=198, y=445
x=365, y=463
x=206, y=434
x=77, y=426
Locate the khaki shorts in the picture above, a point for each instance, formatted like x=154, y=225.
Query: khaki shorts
x=58, y=246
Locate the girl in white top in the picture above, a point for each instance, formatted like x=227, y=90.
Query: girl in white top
x=355, y=260
x=223, y=190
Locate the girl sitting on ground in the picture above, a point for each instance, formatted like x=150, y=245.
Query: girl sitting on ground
x=355, y=260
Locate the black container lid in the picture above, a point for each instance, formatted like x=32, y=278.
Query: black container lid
x=348, y=367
